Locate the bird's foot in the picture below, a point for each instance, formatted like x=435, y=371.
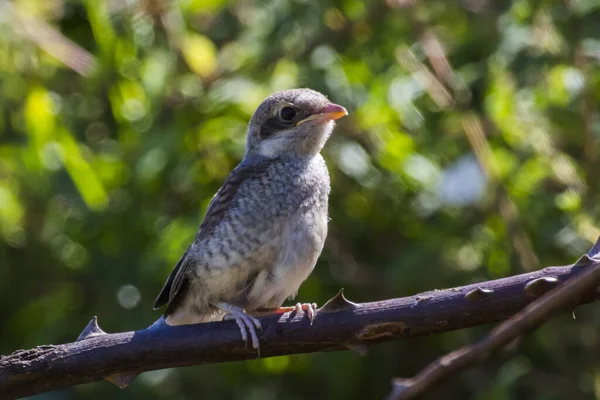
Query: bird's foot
x=309, y=308
x=246, y=323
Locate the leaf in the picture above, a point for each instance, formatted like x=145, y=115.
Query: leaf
x=200, y=53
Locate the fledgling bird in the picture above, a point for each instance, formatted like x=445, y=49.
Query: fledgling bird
x=266, y=226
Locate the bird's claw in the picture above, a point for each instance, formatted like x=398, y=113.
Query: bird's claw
x=309, y=308
x=246, y=323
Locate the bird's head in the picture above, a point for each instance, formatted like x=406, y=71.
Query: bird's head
x=292, y=122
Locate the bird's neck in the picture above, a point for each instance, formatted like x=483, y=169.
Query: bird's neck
x=252, y=158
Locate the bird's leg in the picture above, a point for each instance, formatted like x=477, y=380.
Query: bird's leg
x=245, y=322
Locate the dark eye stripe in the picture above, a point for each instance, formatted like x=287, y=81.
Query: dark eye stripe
x=272, y=126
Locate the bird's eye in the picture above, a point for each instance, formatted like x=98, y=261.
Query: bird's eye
x=287, y=114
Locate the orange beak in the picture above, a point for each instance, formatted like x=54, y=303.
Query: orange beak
x=330, y=112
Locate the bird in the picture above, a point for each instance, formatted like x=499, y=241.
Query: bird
x=265, y=228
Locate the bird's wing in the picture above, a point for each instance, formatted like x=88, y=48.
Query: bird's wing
x=163, y=296
x=178, y=282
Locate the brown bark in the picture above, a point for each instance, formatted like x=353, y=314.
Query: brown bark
x=339, y=325
x=564, y=297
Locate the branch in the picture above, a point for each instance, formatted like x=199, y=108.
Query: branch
x=340, y=325
x=561, y=298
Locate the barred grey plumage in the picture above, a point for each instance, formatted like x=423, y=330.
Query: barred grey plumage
x=266, y=226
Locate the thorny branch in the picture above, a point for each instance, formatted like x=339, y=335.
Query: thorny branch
x=561, y=298
x=449, y=92
x=340, y=325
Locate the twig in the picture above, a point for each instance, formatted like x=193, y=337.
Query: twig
x=50, y=40
x=438, y=92
x=340, y=325
x=563, y=297
x=438, y=84
x=475, y=133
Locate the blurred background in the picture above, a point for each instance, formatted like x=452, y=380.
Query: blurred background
x=471, y=152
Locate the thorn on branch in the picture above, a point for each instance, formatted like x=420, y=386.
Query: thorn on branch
x=399, y=387
x=478, y=294
x=121, y=380
x=91, y=330
x=539, y=286
x=359, y=348
x=338, y=303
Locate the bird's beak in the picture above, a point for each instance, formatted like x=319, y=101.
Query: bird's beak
x=330, y=112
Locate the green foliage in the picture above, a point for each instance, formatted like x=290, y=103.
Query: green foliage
x=120, y=120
